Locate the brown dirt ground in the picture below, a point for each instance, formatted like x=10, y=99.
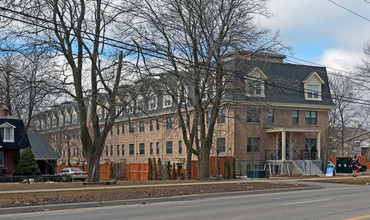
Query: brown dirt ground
x=43, y=198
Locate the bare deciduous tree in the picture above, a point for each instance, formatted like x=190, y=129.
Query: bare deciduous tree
x=78, y=31
x=191, y=38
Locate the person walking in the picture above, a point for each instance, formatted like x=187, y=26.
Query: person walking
x=355, y=165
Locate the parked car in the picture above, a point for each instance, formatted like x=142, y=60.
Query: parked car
x=363, y=167
x=75, y=173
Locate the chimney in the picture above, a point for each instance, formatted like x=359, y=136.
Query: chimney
x=4, y=110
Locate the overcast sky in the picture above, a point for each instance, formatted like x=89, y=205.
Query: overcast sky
x=321, y=32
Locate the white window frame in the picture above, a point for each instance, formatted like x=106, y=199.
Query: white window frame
x=153, y=102
x=313, y=91
x=74, y=118
x=61, y=120
x=99, y=112
x=8, y=132
x=53, y=121
x=48, y=122
x=167, y=101
x=68, y=119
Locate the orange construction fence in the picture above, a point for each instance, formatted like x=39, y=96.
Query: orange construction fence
x=139, y=171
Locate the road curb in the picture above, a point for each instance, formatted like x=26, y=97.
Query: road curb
x=54, y=207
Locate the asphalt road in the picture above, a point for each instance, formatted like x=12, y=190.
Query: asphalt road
x=329, y=203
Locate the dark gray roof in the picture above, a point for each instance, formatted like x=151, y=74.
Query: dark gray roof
x=284, y=82
x=20, y=135
x=40, y=147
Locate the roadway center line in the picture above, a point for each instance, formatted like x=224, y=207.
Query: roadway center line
x=295, y=203
x=360, y=217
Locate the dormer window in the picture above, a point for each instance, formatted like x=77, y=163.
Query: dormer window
x=255, y=85
x=312, y=87
x=74, y=118
x=61, y=120
x=47, y=122
x=167, y=101
x=42, y=124
x=99, y=112
x=140, y=103
x=53, y=121
x=68, y=119
x=153, y=102
x=7, y=132
x=312, y=91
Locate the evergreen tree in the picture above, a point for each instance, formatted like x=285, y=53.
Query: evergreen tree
x=178, y=170
x=27, y=164
x=174, y=176
x=226, y=174
x=155, y=169
x=150, y=171
x=233, y=169
x=160, y=169
x=168, y=170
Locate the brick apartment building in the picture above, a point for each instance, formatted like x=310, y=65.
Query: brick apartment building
x=279, y=105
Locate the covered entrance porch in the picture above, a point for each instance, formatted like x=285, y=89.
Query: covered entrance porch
x=301, y=154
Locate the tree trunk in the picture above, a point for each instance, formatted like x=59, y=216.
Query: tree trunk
x=93, y=168
x=188, y=165
x=203, y=161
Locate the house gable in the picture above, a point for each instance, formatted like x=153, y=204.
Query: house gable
x=313, y=87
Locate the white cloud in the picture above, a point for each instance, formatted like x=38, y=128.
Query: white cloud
x=339, y=60
x=320, y=31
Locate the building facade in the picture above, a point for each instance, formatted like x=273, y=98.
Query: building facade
x=279, y=104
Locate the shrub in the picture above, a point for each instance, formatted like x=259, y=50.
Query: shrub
x=178, y=170
x=27, y=164
x=233, y=169
x=226, y=174
x=168, y=170
x=160, y=169
x=150, y=171
x=155, y=169
x=174, y=176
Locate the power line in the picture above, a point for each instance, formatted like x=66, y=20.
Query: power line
x=153, y=52
x=341, y=6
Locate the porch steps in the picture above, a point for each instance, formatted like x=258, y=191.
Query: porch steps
x=306, y=167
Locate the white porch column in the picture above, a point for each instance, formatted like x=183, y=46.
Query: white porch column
x=318, y=143
x=283, y=145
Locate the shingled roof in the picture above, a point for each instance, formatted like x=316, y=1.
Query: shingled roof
x=20, y=136
x=284, y=83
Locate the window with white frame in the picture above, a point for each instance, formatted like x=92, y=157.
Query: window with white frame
x=140, y=103
x=312, y=91
x=68, y=119
x=74, y=118
x=167, y=101
x=153, y=102
x=48, y=122
x=42, y=124
x=118, y=110
x=99, y=112
x=313, y=86
x=7, y=132
x=255, y=88
x=61, y=120
x=53, y=121
x=255, y=83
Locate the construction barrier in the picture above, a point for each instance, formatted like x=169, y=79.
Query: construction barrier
x=139, y=170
